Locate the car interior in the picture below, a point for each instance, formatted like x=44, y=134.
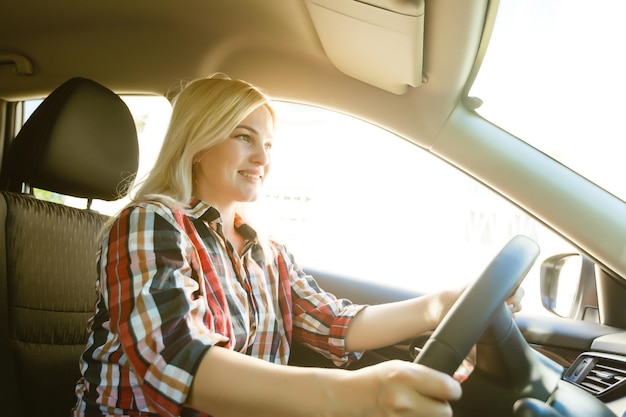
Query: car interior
x=49, y=247
x=417, y=70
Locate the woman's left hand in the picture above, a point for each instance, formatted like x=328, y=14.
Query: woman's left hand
x=514, y=302
x=442, y=302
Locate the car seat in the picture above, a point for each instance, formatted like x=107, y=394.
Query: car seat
x=81, y=141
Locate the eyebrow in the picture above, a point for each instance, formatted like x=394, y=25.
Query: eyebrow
x=251, y=129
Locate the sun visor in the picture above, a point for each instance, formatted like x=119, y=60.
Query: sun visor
x=379, y=42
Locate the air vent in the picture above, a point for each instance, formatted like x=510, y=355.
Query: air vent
x=603, y=375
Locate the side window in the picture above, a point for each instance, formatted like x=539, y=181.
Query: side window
x=349, y=198
x=352, y=199
x=151, y=115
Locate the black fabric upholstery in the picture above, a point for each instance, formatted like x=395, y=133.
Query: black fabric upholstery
x=51, y=278
x=81, y=141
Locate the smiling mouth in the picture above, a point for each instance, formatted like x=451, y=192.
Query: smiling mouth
x=253, y=176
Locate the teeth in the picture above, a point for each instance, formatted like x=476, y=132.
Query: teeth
x=245, y=174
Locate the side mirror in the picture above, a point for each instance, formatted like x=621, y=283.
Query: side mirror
x=568, y=287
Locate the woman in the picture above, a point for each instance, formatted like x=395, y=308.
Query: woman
x=196, y=313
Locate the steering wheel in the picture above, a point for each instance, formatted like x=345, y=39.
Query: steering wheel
x=510, y=378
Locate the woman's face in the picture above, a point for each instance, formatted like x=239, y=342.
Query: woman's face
x=234, y=170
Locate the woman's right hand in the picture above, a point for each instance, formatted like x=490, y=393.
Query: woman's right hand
x=400, y=388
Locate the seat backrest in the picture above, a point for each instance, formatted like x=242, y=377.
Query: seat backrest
x=81, y=141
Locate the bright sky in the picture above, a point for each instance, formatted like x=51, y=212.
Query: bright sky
x=554, y=76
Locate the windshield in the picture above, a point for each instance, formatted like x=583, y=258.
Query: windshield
x=554, y=76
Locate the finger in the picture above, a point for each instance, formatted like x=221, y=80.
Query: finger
x=432, y=383
x=428, y=407
x=514, y=308
x=514, y=302
x=413, y=405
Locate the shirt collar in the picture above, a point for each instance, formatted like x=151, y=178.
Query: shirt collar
x=199, y=209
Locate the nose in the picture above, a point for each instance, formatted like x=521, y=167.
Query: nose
x=261, y=154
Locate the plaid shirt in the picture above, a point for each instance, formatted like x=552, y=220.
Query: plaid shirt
x=170, y=286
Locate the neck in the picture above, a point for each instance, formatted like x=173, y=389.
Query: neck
x=228, y=228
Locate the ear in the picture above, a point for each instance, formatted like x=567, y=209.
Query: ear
x=197, y=158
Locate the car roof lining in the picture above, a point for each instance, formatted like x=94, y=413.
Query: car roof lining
x=256, y=51
x=278, y=49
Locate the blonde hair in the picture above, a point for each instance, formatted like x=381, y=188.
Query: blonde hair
x=204, y=113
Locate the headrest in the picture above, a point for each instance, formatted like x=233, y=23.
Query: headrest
x=80, y=141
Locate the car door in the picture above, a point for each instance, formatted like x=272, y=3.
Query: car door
x=375, y=219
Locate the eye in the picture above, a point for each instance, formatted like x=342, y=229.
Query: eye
x=244, y=138
x=268, y=146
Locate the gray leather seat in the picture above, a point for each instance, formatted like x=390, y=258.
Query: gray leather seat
x=81, y=141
